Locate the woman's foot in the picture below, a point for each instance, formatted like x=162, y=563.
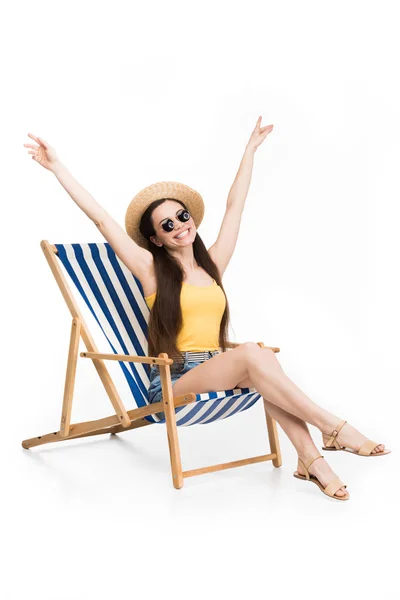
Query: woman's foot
x=349, y=437
x=322, y=471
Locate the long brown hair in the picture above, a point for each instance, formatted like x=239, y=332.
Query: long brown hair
x=165, y=319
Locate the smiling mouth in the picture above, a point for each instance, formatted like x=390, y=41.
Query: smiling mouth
x=183, y=234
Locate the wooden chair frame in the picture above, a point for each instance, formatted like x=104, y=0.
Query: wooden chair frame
x=124, y=420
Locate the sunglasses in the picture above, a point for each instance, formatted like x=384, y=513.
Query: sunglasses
x=183, y=215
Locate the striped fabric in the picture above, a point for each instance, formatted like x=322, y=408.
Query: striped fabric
x=116, y=300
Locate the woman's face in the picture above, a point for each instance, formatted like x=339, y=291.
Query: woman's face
x=168, y=210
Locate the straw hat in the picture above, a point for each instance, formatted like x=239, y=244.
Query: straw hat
x=162, y=189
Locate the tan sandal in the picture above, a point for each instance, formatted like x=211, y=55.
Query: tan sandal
x=365, y=450
x=332, y=487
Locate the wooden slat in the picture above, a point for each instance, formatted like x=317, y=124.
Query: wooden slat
x=229, y=465
x=70, y=377
x=101, y=425
x=169, y=404
x=128, y=358
x=236, y=344
x=57, y=437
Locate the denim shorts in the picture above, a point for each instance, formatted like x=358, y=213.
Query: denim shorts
x=177, y=369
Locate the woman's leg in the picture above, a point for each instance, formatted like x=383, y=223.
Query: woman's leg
x=297, y=431
x=261, y=367
x=298, y=401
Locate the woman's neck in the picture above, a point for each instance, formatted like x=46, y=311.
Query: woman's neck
x=187, y=259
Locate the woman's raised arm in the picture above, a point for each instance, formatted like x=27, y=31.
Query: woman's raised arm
x=137, y=259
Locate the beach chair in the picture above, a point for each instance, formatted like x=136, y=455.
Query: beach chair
x=115, y=299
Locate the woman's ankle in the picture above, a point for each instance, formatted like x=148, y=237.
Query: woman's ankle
x=307, y=451
x=328, y=423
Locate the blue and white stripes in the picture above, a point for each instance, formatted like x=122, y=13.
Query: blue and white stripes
x=115, y=298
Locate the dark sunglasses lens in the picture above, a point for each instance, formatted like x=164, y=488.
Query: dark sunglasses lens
x=182, y=216
x=168, y=226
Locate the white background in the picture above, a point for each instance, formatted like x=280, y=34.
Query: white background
x=133, y=93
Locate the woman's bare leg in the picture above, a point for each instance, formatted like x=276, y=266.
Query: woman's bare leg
x=271, y=381
x=297, y=431
x=262, y=368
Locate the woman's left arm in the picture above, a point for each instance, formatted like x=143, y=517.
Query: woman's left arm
x=222, y=250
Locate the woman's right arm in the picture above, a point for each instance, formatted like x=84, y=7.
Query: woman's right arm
x=137, y=259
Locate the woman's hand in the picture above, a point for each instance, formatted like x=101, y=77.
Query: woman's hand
x=259, y=135
x=44, y=154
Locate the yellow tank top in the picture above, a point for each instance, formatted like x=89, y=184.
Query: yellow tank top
x=202, y=310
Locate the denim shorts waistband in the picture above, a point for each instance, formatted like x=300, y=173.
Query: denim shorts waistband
x=200, y=356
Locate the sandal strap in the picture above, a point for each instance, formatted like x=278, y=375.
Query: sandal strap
x=367, y=447
x=305, y=467
x=334, y=433
x=333, y=486
x=312, y=460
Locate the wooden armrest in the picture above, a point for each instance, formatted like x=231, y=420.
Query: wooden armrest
x=154, y=360
x=261, y=344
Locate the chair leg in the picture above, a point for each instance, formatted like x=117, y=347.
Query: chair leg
x=272, y=431
x=170, y=421
x=273, y=439
x=70, y=377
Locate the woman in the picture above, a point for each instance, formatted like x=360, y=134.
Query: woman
x=189, y=316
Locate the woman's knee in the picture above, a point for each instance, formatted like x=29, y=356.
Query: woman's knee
x=250, y=352
x=270, y=356
x=254, y=354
